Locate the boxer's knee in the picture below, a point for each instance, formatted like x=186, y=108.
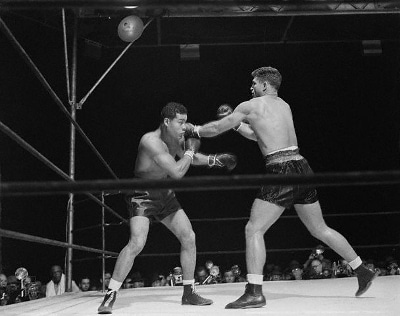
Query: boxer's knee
x=188, y=239
x=321, y=232
x=136, y=244
x=251, y=230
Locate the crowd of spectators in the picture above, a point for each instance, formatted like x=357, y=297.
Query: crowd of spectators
x=15, y=289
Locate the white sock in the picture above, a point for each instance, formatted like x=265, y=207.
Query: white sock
x=355, y=263
x=114, y=285
x=188, y=282
x=255, y=278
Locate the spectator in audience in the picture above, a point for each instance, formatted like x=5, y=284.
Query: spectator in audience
x=382, y=271
x=276, y=274
x=201, y=275
x=36, y=291
x=393, y=268
x=238, y=274
x=3, y=290
x=107, y=278
x=229, y=277
x=138, y=283
x=316, y=270
x=57, y=284
x=13, y=289
x=84, y=284
x=158, y=279
x=269, y=267
x=128, y=283
x=297, y=273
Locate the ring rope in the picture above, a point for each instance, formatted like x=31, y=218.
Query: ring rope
x=20, y=141
x=225, y=252
x=292, y=216
x=46, y=241
x=201, y=183
x=55, y=97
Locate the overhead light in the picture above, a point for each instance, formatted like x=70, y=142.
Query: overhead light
x=131, y=7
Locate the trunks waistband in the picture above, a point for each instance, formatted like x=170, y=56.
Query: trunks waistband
x=285, y=154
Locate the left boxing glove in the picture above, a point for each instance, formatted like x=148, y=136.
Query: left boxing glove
x=224, y=160
x=191, y=131
x=225, y=110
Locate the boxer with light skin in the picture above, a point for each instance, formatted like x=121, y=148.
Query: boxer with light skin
x=156, y=159
x=267, y=120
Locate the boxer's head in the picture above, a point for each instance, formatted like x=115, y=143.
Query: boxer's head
x=171, y=110
x=264, y=79
x=173, y=118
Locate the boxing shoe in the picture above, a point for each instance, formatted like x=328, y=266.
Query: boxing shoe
x=108, y=302
x=365, y=278
x=190, y=297
x=252, y=298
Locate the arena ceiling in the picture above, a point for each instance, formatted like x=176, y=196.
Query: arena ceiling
x=216, y=22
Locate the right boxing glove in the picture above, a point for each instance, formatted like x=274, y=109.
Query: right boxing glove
x=192, y=146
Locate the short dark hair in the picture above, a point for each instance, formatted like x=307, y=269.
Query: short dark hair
x=171, y=109
x=268, y=74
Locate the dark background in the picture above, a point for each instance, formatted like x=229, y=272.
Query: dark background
x=346, y=111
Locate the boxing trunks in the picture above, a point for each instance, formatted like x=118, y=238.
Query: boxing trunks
x=153, y=204
x=287, y=161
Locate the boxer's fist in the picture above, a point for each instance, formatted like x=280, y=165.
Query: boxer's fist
x=191, y=131
x=192, y=144
x=224, y=110
x=224, y=160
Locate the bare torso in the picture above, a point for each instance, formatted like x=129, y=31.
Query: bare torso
x=271, y=120
x=146, y=166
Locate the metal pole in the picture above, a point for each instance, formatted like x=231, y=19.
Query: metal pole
x=1, y=240
x=103, y=245
x=72, y=156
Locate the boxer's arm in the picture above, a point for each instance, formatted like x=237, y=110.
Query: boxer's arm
x=221, y=160
x=215, y=128
x=175, y=169
x=200, y=159
x=245, y=130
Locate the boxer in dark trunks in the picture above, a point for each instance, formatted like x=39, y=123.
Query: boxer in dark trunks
x=267, y=119
x=156, y=160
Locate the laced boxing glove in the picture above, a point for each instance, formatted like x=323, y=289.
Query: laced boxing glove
x=192, y=146
x=191, y=131
x=225, y=110
x=224, y=160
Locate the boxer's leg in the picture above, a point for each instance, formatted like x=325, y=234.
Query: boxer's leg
x=139, y=228
x=263, y=215
x=178, y=223
x=311, y=216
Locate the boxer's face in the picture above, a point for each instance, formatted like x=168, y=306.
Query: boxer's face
x=257, y=88
x=176, y=126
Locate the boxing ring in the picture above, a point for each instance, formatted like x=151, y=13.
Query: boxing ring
x=305, y=297
x=308, y=297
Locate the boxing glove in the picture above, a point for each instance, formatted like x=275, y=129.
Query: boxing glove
x=191, y=131
x=225, y=110
x=224, y=160
x=192, y=146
